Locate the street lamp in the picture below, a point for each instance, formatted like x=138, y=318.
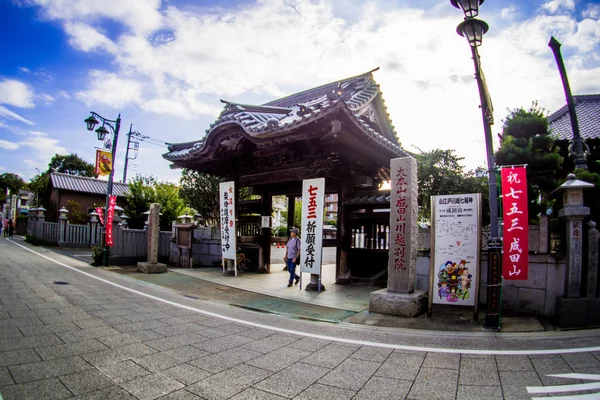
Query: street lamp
x=473, y=30
x=101, y=132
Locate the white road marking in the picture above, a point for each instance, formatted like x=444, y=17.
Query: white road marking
x=577, y=387
x=316, y=336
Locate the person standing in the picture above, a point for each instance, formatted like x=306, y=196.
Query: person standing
x=11, y=227
x=5, y=227
x=292, y=256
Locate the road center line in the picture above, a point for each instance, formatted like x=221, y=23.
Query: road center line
x=316, y=336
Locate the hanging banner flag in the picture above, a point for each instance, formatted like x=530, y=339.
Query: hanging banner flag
x=516, y=223
x=313, y=196
x=100, y=212
x=228, y=232
x=103, y=162
x=112, y=202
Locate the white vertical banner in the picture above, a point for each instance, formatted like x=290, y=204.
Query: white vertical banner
x=313, y=196
x=228, y=232
x=456, y=236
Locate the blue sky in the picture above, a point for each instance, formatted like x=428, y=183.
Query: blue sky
x=164, y=65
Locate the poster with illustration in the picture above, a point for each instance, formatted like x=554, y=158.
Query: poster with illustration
x=456, y=246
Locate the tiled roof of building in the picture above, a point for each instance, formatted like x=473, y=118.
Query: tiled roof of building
x=364, y=200
x=587, y=108
x=86, y=185
x=290, y=112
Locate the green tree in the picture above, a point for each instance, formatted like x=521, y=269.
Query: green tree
x=201, y=192
x=440, y=172
x=10, y=181
x=76, y=215
x=171, y=204
x=525, y=140
x=141, y=195
x=71, y=164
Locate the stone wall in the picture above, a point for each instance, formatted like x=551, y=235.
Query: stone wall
x=206, y=247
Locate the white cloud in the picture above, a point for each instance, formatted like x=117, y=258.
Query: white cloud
x=108, y=88
x=44, y=147
x=6, y=145
x=6, y=113
x=16, y=93
x=64, y=95
x=554, y=6
x=86, y=38
x=592, y=11
x=509, y=12
x=46, y=98
x=38, y=133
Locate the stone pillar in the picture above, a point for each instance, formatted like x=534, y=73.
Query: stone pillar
x=400, y=297
x=575, y=256
x=62, y=224
x=592, y=273
x=152, y=265
x=544, y=234
x=264, y=251
x=93, y=224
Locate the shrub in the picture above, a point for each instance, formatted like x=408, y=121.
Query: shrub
x=97, y=256
x=38, y=242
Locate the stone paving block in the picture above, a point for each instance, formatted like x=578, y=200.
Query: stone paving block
x=118, y=354
x=186, y=374
x=556, y=365
x=172, y=342
x=178, y=311
x=186, y=353
x=225, y=330
x=184, y=319
x=10, y=332
x=123, y=371
x=228, y=383
x=138, y=326
x=434, y=383
x=226, y=359
x=258, y=333
x=118, y=340
x=514, y=363
x=151, y=386
x=330, y=356
x=56, y=319
x=47, y=389
x=279, y=359
x=90, y=323
x=308, y=344
x=33, y=313
x=5, y=378
x=442, y=360
x=28, y=342
x=180, y=329
x=21, y=322
x=114, y=320
x=479, y=392
x=576, y=360
x=47, y=369
x=85, y=334
x=145, y=316
x=70, y=349
x=514, y=383
x=383, y=388
x=323, y=392
x=38, y=330
x=212, y=322
x=369, y=353
x=181, y=395
x=15, y=357
x=292, y=380
x=351, y=374
x=145, y=335
x=587, y=370
x=86, y=381
x=222, y=344
x=255, y=394
x=110, y=393
x=478, y=371
x=401, y=366
x=157, y=361
x=4, y=314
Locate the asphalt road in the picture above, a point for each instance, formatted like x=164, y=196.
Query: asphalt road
x=68, y=330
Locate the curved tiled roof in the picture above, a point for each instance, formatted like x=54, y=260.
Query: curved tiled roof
x=587, y=108
x=298, y=109
x=84, y=184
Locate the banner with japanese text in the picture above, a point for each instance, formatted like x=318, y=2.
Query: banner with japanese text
x=516, y=223
x=228, y=232
x=456, y=243
x=112, y=202
x=103, y=162
x=311, y=239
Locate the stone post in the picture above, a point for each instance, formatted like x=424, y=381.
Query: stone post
x=544, y=234
x=400, y=297
x=152, y=266
x=592, y=274
x=62, y=224
x=93, y=224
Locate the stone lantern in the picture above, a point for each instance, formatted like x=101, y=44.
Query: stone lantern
x=40, y=214
x=571, y=309
x=185, y=219
x=63, y=214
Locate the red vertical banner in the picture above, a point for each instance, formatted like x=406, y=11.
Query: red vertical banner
x=100, y=212
x=515, y=261
x=112, y=202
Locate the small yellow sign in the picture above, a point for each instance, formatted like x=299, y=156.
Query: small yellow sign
x=103, y=162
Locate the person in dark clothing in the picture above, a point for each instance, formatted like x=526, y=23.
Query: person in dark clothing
x=292, y=254
x=11, y=228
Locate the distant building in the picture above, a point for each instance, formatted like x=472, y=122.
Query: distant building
x=24, y=201
x=331, y=207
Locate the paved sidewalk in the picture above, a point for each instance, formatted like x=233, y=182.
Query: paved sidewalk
x=88, y=339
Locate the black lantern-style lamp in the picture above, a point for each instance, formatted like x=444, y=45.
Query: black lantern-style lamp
x=101, y=132
x=469, y=7
x=473, y=29
x=91, y=122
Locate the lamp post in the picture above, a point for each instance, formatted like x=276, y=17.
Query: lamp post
x=474, y=29
x=101, y=132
